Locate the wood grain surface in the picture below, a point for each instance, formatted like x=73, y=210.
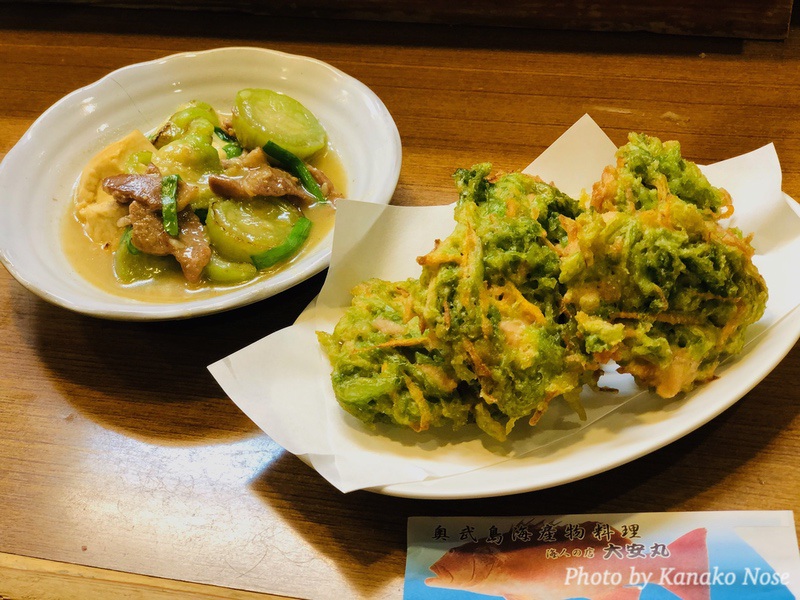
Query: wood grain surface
x=110, y=462
x=25, y=578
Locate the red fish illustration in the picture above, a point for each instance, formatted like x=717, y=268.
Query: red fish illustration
x=613, y=569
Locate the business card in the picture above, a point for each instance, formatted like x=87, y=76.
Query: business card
x=735, y=555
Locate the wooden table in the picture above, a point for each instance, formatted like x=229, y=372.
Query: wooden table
x=106, y=462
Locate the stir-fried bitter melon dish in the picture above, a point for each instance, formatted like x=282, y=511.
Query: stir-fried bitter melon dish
x=534, y=292
x=207, y=201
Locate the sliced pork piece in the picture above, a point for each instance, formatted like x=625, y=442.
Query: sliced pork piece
x=146, y=189
x=261, y=181
x=273, y=181
x=148, y=233
x=190, y=248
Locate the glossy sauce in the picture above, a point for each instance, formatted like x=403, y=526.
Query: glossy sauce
x=95, y=263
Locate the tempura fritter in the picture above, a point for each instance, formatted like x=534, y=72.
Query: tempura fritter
x=648, y=173
x=482, y=319
x=387, y=365
x=493, y=298
x=655, y=282
x=534, y=291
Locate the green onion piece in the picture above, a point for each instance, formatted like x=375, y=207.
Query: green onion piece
x=232, y=150
x=297, y=236
x=296, y=167
x=169, y=203
x=225, y=136
x=127, y=242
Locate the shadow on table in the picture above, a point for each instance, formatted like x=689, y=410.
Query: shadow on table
x=364, y=533
x=149, y=379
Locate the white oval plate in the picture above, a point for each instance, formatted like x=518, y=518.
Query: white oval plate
x=38, y=175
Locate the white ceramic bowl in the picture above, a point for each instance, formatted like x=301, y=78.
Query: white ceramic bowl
x=38, y=174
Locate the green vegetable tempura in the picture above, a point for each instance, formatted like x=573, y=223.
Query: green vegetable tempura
x=492, y=297
x=388, y=365
x=533, y=292
x=662, y=289
x=649, y=172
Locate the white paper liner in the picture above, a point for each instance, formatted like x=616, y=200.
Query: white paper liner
x=282, y=382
